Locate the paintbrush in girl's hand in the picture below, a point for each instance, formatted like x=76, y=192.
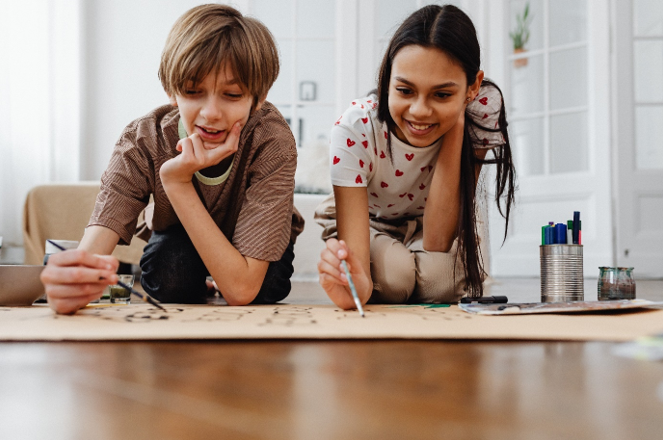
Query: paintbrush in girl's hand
x=352, y=288
x=147, y=298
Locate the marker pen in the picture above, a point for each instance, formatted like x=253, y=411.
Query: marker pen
x=560, y=233
x=569, y=232
x=576, y=226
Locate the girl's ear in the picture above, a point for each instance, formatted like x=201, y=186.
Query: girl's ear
x=172, y=100
x=473, y=89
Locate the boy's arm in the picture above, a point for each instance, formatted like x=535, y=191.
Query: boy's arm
x=73, y=278
x=239, y=278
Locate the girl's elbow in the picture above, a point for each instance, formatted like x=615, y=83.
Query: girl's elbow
x=438, y=246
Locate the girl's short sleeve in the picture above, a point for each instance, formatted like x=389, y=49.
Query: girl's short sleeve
x=485, y=112
x=351, y=148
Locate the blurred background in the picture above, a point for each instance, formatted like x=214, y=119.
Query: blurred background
x=582, y=80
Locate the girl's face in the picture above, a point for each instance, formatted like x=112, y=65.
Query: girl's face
x=428, y=91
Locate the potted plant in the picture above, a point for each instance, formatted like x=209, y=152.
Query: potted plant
x=520, y=35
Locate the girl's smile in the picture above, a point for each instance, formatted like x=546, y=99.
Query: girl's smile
x=427, y=93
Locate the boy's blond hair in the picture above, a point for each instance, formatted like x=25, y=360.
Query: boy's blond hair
x=207, y=37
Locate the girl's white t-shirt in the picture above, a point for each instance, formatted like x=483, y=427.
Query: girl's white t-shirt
x=398, y=187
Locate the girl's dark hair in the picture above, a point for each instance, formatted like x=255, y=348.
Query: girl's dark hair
x=450, y=30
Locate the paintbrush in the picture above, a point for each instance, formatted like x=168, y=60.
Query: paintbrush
x=147, y=298
x=352, y=288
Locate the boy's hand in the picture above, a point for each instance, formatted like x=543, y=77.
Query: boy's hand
x=73, y=278
x=198, y=155
x=332, y=275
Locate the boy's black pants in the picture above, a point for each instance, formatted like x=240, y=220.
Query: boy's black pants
x=173, y=272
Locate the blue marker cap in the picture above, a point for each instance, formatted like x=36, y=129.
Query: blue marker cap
x=560, y=233
x=550, y=235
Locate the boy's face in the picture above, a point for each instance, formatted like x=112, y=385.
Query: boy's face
x=213, y=106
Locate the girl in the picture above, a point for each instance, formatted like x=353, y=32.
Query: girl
x=405, y=163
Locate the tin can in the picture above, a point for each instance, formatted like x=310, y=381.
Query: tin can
x=561, y=273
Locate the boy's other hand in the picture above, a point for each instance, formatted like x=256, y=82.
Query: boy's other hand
x=333, y=278
x=73, y=278
x=197, y=155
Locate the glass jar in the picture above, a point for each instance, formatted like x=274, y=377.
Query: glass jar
x=615, y=283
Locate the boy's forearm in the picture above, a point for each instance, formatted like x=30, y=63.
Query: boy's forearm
x=238, y=278
x=99, y=240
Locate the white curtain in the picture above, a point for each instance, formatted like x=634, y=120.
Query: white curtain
x=40, y=100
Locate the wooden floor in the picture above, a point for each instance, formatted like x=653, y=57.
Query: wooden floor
x=332, y=389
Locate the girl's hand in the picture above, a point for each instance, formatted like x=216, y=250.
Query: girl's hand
x=198, y=155
x=73, y=278
x=333, y=278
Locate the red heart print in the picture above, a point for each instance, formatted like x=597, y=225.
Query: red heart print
x=485, y=115
x=484, y=100
x=369, y=101
x=485, y=141
x=364, y=120
x=375, y=195
x=363, y=134
x=358, y=179
x=399, y=173
x=423, y=169
x=370, y=167
x=336, y=160
x=390, y=205
x=410, y=196
x=365, y=144
x=420, y=207
x=395, y=213
x=362, y=106
x=384, y=184
x=353, y=103
x=377, y=206
x=382, y=156
x=361, y=163
x=338, y=121
x=425, y=199
x=375, y=150
x=409, y=157
x=375, y=104
x=430, y=168
x=350, y=142
x=402, y=195
x=386, y=136
x=422, y=186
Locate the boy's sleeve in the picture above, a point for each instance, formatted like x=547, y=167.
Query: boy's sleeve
x=485, y=111
x=125, y=188
x=264, y=224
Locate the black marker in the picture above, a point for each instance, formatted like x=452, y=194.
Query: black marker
x=485, y=299
x=147, y=298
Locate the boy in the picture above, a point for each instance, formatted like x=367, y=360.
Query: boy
x=220, y=163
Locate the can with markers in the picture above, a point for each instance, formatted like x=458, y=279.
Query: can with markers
x=561, y=273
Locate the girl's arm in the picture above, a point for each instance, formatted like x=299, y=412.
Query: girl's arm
x=354, y=247
x=443, y=204
x=239, y=278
